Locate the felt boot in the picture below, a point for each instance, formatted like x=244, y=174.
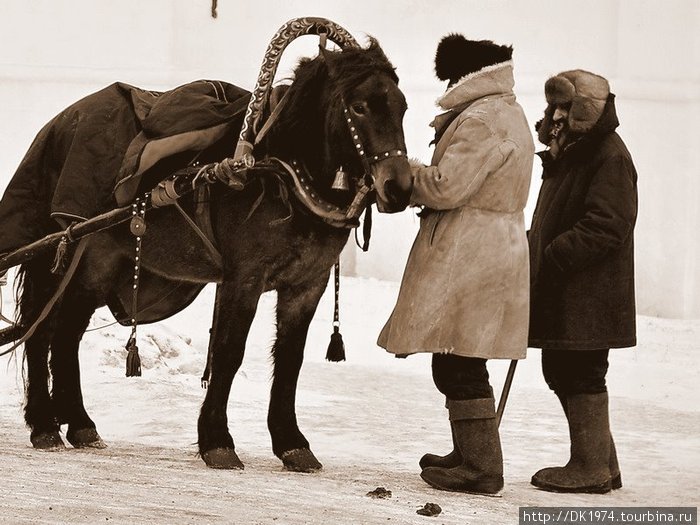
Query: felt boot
x=616, y=481
x=476, y=438
x=588, y=469
x=450, y=460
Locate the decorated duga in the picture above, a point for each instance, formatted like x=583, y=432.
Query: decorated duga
x=137, y=199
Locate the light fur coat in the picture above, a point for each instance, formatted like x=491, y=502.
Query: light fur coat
x=465, y=289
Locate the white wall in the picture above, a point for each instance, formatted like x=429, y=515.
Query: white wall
x=55, y=51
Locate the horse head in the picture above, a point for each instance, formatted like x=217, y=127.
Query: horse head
x=344, y=117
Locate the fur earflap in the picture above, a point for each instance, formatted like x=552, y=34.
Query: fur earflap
x=559, y=90
x=586, y=92
x=456, y=56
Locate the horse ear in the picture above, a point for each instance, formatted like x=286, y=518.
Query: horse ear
x=380, y=56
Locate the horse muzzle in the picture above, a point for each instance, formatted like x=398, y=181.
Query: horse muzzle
x=393, y=184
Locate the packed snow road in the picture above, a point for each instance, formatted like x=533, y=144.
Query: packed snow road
x=368, y=420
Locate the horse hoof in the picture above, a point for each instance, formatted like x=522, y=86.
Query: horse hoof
x=222, y=458
x=47, y=441
x=300, y=460
x=85, y=438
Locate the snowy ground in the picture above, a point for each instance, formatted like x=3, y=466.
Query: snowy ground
x=368, y=419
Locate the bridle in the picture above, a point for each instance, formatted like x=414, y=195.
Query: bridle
x=243, y=159
x=366, y=159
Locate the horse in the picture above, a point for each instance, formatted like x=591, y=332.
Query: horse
x=267, y=239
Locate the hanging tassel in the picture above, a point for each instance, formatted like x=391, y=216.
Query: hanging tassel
x=336, y=348
x=60, y=257
x=138, y=228
x=133, y=361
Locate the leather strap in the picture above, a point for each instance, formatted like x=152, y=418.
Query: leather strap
x=202, y=227
x=273, y=117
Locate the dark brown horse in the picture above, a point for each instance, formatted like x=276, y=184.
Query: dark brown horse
x=268, y=240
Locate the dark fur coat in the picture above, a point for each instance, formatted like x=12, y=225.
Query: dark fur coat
x=581, y=244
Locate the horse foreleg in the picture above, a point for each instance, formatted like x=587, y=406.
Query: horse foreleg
x=234, y=311
x=73, y=318
x=295, y=309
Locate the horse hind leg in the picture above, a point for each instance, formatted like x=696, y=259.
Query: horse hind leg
x=37, y=286
x=73, y=319
x=295, y=309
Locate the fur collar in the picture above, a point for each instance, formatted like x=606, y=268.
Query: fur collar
x=490, y=80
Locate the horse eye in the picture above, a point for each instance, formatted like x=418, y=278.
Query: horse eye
x=359, y=108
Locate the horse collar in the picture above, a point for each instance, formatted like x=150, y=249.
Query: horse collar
x=329, y=213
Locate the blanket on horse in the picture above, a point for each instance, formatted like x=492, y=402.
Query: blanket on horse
x=93, y=156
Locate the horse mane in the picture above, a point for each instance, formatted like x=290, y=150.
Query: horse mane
x=311, y=122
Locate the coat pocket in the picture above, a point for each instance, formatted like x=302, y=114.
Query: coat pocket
x=436, y=217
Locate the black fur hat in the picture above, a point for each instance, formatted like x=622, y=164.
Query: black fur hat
x=456, y=56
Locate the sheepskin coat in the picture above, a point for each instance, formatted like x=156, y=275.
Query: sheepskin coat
x=465, y=289
x=582, y=244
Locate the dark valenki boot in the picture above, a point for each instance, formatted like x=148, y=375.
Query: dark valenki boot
x=475, y=431
x=616, y=481
x=452, y=459
x=592, y=450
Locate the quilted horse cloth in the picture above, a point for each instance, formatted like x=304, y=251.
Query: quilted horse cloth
x=91, y=157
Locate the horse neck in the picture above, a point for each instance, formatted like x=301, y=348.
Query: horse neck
x=303, y=137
